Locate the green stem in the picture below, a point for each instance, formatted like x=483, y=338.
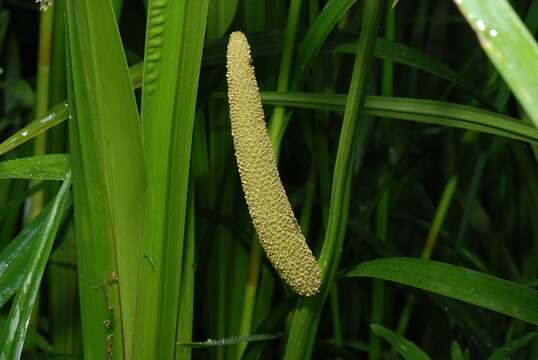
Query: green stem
x=46, y=22
x=251, y=285
x=41, y=107
x=378, y=295
x=308, y=310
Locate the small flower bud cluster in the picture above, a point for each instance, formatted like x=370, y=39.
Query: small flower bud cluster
x=44, y=4
x=271, y=212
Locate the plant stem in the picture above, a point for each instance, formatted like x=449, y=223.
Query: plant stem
x=46, y=22
x=308, y=310
x=378, y=297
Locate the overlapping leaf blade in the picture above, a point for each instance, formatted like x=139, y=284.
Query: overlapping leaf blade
x=109, y=177
x=174, y=42
x=14, y=334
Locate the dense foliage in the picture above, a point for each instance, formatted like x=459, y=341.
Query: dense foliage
x=405, y=135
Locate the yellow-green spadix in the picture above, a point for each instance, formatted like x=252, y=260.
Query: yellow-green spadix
x=271, y=212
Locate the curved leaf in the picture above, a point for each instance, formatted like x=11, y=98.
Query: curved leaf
x=423, y=111
x=471, y=286
x=55, y=116
x=14, y=257
x=406, y=55
x=404, y=347
x=509, y=46
x=316, y=35
x=508, y=350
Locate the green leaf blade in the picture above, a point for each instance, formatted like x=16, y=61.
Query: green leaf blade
x=44, y=167
x=470, y=286
x=509, y=45
x=21, y=310
x=173, y=55
x=404, y=347
x=109, y=172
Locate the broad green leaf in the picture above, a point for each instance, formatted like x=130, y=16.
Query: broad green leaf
x=12, y=340
x=14, y=257
x=172, y=62
x=423, y=111
x=509, y=45
x=109, y=176
x=510, y=349
x=230, y=341
x=404, y=347
x=44, y=167
x=471, y=286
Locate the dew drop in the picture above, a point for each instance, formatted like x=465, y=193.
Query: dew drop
x=493, y=33
x=480, y=25
x=24, y=133
x=459, y=2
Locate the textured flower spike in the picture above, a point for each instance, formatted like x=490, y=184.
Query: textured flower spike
x=44, y=4
x=271, y=212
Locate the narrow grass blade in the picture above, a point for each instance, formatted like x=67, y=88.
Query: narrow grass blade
x=316, y=35
x=470, y=286
x=406, y=55
x=55, y=116
x=404, y=347
x=4, y=22
x=231, y=340
x=43, y=84
x=509, y=45
x=423, y=111
x=186, y=296
x=439, y=216
x=44, y=167
x=14, y=257
x=19, y=316
x=173, y=54
x=507, y=351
